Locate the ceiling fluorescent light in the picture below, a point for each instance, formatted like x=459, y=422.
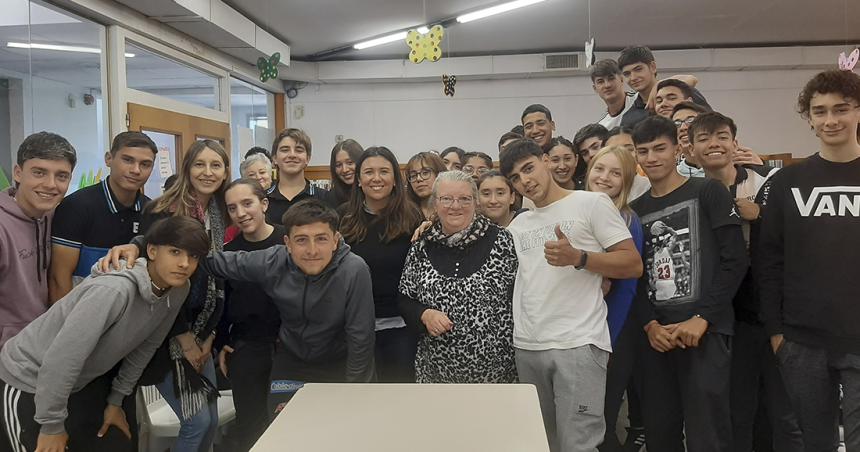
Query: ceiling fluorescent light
x=399, y=36
x=498, y=9
x=61, y=48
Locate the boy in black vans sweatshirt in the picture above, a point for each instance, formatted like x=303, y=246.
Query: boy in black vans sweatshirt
x=810, y=263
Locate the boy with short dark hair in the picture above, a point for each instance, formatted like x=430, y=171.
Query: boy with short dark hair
x=683, y=115
x=695, y=258
x=91, y=220
x=565, y=247
x=538, y=125
x=291, y=152
x=608, y=83
x=109, y=318
x=589, y=140
x=640, y=72
x=756, y=380
x=810, y=235
x=42, y=175
x=671, y=92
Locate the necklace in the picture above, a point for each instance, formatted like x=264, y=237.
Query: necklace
x=159, y=290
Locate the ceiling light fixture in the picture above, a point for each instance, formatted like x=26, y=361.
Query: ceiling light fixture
x=61, y=48
x=399, y=36
x=498, y=9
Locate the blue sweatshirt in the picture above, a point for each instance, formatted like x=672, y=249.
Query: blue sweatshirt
x=620, y=296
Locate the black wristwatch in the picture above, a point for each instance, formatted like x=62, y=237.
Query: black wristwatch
x=582, y=261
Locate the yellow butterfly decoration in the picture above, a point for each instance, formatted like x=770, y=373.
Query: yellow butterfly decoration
x=426, y=46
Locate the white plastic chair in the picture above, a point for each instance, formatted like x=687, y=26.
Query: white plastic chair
x=159, y=425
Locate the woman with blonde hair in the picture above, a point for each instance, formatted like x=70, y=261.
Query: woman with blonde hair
x=612, y=171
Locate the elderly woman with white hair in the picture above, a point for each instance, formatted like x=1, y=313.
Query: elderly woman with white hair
x=259, y=168
x=456, y=290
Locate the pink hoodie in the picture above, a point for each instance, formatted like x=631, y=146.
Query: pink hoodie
x=25, y=251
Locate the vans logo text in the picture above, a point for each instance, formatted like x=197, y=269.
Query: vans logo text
x=832, y=201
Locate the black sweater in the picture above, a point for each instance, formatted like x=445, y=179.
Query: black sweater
x=809, y=255
x=450, y=262
x=386, y=262
x=249, y=313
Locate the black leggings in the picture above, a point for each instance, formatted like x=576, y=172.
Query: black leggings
x=621, y=376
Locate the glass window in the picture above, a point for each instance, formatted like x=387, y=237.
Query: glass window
x=250, y=110
x=152, y=73
x=51, y=79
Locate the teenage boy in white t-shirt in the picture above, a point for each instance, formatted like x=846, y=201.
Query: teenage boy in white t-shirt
x=566, y=246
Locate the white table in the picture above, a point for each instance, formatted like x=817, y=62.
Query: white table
x=408, y=417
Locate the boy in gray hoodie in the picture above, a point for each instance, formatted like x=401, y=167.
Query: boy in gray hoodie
x=108, y=318
x=42, y=174
x=321, y=289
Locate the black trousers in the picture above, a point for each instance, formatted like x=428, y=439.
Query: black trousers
x=249, y=368
x=687, y=390
x=757, y=386
x=395, y=355
x=19, y=431
x=622, y=375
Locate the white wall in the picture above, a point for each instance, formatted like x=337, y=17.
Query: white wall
x=413, y=117
x=43, y=105
x=78, y=124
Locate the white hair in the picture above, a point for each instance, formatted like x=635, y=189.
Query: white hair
x=453, y=176
x=252, y=159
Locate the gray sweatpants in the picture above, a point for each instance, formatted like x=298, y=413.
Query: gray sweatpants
x=571, y=386
x=812, y=377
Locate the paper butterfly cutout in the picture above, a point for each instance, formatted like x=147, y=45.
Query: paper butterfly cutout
x=268, y=67
x=589, y=52
x=448, y=82
x=426, y=46
x=847, y=63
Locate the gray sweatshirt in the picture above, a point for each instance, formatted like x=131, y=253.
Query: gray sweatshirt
x=324, y=318
x=107, y=318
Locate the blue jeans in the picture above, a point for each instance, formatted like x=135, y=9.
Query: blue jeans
x=197, y=433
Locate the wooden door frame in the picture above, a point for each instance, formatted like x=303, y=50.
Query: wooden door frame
x=187, y=127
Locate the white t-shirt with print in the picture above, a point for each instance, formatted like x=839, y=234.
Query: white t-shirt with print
x=561, y=307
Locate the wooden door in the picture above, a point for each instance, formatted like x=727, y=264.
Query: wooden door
x=173, y=133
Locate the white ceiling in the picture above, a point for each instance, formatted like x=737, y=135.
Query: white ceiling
x=314, y=26
x=145, y=70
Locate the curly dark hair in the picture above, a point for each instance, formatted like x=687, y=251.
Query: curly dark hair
x=846, y=83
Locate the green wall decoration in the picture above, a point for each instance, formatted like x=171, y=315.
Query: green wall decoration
x=268, y=67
